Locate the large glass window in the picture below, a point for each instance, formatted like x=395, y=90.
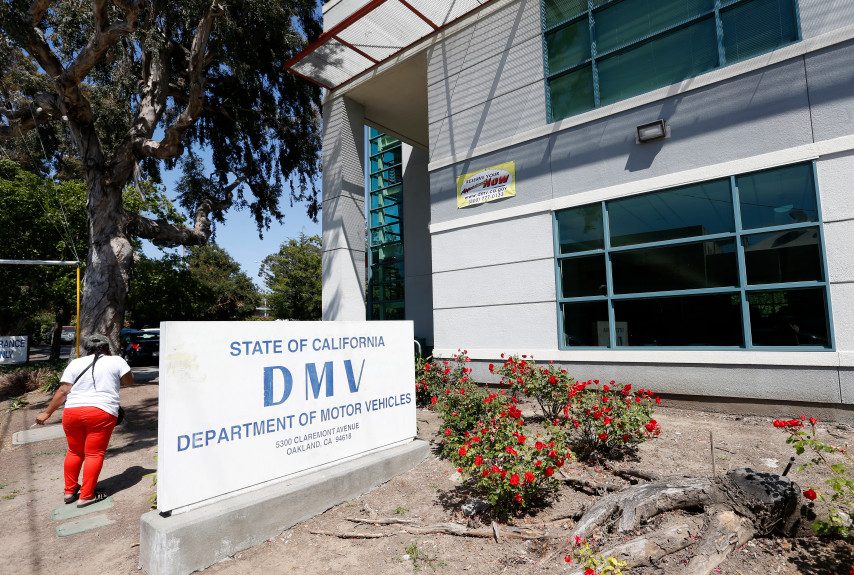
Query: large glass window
x=730, y=263
x=603, y=51
x=385, y=228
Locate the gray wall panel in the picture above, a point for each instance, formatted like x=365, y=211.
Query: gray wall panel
x=518, y=283
x=492, y=34
x=502, y=73
x=846, y=385
x=533, y=181
x=753, y=114
x=822, y=16
x=418, y=294
x=501, y=242
x=496, y=119
x=831, y=82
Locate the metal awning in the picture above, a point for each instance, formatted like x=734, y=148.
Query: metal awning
x=372, y=34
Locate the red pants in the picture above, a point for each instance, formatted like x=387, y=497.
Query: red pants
x=88, y=431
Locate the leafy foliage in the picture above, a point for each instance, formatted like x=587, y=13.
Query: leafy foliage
x=512, y=470
x=40, y=219
x=293, y=277
x=607, y=421
x=548, y=386
x=206, y=285
x=840, y=480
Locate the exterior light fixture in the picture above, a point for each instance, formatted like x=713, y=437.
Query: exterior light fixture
x=650, y=132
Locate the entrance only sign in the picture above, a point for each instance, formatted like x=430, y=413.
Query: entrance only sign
x=245, y=403
x=13, y=349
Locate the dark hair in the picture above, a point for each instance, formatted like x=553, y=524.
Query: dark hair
x=96, y=343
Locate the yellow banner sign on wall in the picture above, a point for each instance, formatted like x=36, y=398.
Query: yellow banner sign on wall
x=486, y=185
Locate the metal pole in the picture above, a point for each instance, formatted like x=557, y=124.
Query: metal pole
x=78, y=311
x=39, y=262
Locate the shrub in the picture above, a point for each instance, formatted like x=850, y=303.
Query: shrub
x=609, y=420
x=461, y=408
x=840, y=481
x=511, y=470
x=432, y=376
x=548, y=386
x=18, y=380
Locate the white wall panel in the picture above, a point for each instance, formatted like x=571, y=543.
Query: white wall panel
x=836, y=187
x=518, y=283
x=532, y=326
x=501, y=242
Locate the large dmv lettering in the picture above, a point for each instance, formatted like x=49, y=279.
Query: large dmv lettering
x=313, y=381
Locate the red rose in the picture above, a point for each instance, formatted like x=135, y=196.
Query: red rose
x=485, y=473
x=463, y=450
x=478, y=460
x=568, y=559
x=459, y=469
x=657, y=401
x=603, y=436
x=433, y=400
x=589, y=571
x=491, y=367
x=651, y=425
x=521, y=439
x=518, y=498
x=514, y=480
x=447, y=432
x=810, y=494
x=550, y=471
x=813, y=421
x=529, y=477
x=552, y=379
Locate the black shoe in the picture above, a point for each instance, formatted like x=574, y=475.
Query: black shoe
x=73, y=497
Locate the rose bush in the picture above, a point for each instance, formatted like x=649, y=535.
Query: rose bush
x=433, y=375
x=548, y=386
x=512, y=468
x=840, y=482
x=608, y=420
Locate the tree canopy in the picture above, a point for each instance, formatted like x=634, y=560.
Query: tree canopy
x=110, y=91
x=39, y=220
x=207, y=284
x=293, y=277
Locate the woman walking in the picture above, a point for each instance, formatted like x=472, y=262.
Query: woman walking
x=89, y=388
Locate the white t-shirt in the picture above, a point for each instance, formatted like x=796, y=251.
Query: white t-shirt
x=102, y=391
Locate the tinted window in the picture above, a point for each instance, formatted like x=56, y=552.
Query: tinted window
x=585, y=324
x=697, y=210
x=786, y=256
x=687, y=266
x=580, y=229
x=788, y=318
x=584, y=276
x=778, y=197
x=756, y=27
x=704, y=320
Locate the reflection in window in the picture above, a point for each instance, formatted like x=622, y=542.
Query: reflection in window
x=627, y=47
x=685, y=266
x=778, y=197
x=698, y=210
x=674, y=269
x=580, y=229
x=788, y=318
x=788, y=256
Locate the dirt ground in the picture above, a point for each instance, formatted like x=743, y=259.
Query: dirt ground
x=31, y=486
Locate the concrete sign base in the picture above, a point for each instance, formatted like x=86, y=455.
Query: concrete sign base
x=188, y=542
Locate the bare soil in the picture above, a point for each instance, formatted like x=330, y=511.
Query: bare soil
x=433, y=492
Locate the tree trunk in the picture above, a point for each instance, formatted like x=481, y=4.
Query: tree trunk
x=60, y=318
x=108, y=265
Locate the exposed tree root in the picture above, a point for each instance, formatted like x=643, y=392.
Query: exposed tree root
x=739, y=505
x=383, y=521
x=352, y=535
x=491, y=532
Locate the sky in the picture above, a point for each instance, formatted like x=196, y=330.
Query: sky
x=239, y=236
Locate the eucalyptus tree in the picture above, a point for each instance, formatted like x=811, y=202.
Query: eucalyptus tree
x=126, y=87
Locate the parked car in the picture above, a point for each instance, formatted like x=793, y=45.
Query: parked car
x=124, y=339
x=143, y=348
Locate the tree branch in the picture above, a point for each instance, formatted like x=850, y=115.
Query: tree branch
x=165, y=234
x=42, y=109
x=170, y=146
x=37, y=10
x=102, y=40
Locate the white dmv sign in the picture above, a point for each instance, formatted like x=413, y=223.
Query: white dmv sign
x=244, y=403
x=13, y=349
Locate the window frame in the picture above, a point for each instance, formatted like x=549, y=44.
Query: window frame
x=595, y=55
x=742, y=290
